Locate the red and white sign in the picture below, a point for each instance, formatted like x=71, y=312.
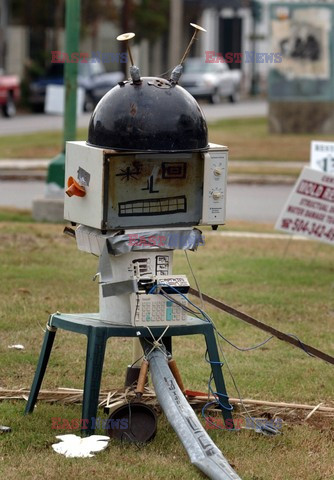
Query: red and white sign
x=309, y=210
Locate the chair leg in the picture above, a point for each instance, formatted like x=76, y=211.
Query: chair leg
x=41, y=367
x=167, y=341
x=213, y=354
x=96, y=346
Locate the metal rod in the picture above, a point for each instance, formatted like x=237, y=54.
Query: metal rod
x=176, y=373
x=197, y=28
x=142, y=379
x=130, y=54
x=125, y=37
x=262, y=326
x=188, y=47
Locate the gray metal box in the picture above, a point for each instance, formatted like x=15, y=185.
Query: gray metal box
x=131, y=190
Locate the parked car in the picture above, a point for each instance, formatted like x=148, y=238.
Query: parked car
x=92, y=77
x=9, y=94
x=211, y=81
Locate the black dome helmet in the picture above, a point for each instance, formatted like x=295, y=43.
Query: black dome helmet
x=150, y=115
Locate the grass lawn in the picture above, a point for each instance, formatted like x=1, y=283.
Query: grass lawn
x=247, y=139
x=293, y=290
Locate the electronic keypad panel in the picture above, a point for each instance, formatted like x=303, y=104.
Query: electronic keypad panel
x=139, y=190
x=156, y=310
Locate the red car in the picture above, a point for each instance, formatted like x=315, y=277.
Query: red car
x=9, y=94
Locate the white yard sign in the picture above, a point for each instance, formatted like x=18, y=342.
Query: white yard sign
x=309, y=210
x=54, y=99
x=322, y=156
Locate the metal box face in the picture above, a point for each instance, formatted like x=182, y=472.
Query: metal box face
x=154, y=190
x=135, y=190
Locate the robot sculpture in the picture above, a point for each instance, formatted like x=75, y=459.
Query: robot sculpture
x=143, y=179
x=135, y=191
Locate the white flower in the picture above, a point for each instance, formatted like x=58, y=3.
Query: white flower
x=74, y=446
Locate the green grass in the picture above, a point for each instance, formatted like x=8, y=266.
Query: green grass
x=15, y=215
x=35, y=145
x=247, y=139
x=42, y=272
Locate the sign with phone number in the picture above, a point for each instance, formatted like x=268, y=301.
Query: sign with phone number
x=309, y=210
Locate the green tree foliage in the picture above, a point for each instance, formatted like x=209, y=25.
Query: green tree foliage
x=37, y=13
x=151, y=19
x=43, y=13
x=98, y=10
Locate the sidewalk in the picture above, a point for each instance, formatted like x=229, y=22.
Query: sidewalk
x=23, y=169
x=239, y=171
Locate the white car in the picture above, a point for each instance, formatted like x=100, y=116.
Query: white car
x=211, y=81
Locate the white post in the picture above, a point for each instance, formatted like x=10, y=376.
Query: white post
x=175, y=42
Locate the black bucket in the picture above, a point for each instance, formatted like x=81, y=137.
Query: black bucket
x=133, y=422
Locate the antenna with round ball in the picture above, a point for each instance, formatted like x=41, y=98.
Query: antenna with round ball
x=134, y=71
x=177, y=72
x=197, y=29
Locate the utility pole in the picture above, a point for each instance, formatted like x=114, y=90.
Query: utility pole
x=175, y=41
x=126, y=12
x=56, y=171
x=256, y=10
x=4, y=16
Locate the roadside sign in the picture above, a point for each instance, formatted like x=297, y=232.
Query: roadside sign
x=322, y=156
x=54, y=99
x=309, y=210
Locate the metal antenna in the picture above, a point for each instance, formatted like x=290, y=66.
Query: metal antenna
x=197, y=28
x=134, y=71
x=124, y=38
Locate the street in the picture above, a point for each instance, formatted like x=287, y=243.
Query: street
x=255, y=203
x=32, y=123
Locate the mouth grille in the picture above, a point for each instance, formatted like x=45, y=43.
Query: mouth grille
x=154, y=206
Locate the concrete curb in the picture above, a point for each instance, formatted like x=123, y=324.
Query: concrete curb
x=24, y=169
x=250, y=179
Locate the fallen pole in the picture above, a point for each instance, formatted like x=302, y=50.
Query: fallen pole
x=263, y=326
x=203, y=453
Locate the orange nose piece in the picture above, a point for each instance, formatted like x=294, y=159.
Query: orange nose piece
x=74, y=188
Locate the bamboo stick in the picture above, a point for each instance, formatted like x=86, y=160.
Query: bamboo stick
x=108, y=397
